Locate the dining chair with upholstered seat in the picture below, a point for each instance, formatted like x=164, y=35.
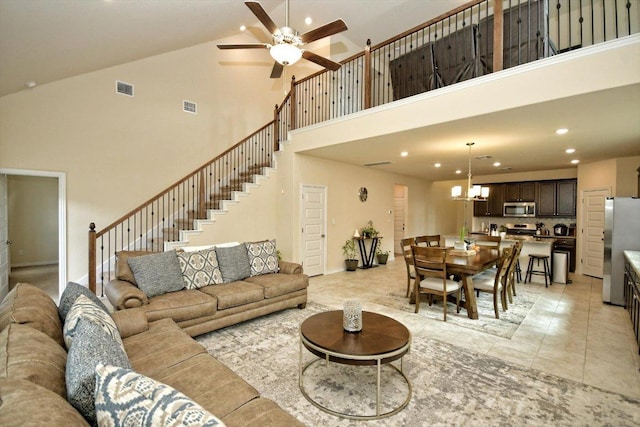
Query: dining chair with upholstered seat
x=405, y=248
x=511, y=274
x=497, y=284
x=428, y=240
x=431, y=276
x=489, y=241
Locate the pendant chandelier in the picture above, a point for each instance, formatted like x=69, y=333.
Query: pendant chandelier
x=473, y=192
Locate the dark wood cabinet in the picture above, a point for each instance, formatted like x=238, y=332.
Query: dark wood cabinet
x=493, y=206
x=556, y=198
x=520, y=192
x=632, y=297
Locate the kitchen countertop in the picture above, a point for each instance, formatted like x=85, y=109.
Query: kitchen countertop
x=634, y=259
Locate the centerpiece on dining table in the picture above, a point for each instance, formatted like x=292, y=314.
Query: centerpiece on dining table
x=463, y=246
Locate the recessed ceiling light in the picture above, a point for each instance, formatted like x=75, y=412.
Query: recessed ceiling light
x=561, y=131
x=243, y=27
x=458, y=171
x=575, y=161
x=570, y=150
x=437, y=165
x=30, y=84
x=308, y=20
x=404, y=153
x=496, y=164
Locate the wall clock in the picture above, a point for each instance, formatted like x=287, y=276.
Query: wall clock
x=363, y=193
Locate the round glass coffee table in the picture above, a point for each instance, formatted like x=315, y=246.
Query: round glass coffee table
x=381, y=341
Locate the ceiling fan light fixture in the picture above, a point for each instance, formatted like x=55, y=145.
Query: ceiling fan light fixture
x=285, y=54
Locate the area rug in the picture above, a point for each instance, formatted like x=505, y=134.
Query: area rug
x=451, y=385
x=503, y=327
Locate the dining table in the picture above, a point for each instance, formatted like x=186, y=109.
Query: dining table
x=467, y=266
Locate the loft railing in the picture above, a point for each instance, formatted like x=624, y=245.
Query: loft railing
x=451, y=48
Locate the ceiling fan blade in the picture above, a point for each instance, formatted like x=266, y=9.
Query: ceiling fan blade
x=276, y=72
x=262, y=16
x=326, y=30
x=244, y=46
x=321, y=60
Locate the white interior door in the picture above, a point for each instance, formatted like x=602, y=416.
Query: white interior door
x=4, y=238
x=593, y=231
x=313, y=229
x=399, y=216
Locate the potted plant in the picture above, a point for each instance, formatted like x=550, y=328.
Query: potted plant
x=369, y=230
x=349, y=252
x=503, y=231
x=382, y=256
x=461, y=243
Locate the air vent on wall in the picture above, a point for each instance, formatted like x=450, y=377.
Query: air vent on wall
x=378, y=163
x=124, y=88
x=190, y=107
x=482, y=157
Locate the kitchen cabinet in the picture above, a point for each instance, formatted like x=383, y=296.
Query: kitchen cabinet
x=632, y=296
x=494, y=203
x=556, y=198
x=520, y=192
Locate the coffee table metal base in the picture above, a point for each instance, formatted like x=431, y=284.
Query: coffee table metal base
x=378, y=358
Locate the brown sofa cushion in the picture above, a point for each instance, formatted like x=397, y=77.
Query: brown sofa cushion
x=27, y=404
x=29, y=354
x=235, y=293
x=182, y=305
x=280, y=284
x=28, y=305
x=123, y=271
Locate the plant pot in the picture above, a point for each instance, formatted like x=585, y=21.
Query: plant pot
x=352, y=264
x=382, y=258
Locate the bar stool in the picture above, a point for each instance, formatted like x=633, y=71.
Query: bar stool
x=546, y=271
x=518, y=271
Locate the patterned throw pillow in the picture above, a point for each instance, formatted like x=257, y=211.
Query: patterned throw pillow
x=157, y=274
x=262, y=257
x=124, y=397
x=199, y=268
x=69, y=296
x=91, y=346
x=233, y=262
x=84, y=308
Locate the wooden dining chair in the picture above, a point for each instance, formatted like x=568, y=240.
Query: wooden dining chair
x=490, y=241
x=431, y=276
x=497, y=284
x=405, y=248
x=432, y=240
x=511, y=274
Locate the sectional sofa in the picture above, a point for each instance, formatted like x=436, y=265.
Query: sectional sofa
x=149, y=372
x=207, y=288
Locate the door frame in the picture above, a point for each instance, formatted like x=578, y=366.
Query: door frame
x=583, y=222
x=324, y=224
x=62, y=217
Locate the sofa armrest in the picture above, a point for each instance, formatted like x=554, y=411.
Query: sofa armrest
x=287, y=267
x=122, y=294
x=131, y=322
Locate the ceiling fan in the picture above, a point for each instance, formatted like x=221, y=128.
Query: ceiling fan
x=287, y=42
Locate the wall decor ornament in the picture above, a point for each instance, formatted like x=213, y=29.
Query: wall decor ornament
x=363, y=194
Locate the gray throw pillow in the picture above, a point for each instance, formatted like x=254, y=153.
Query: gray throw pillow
x=69, y=296
x=91, y=346
x=233, y=262
x=158, y=273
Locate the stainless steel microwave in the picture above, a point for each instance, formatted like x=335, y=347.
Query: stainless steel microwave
x=519, y=209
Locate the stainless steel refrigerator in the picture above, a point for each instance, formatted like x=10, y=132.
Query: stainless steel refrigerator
x=621, y=233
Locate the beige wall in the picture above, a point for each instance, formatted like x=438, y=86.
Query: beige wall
x=33, y=220
x=627, y=176
x=345, y=212
x=117, y=151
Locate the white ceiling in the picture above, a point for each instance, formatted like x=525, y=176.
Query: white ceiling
x=48, y=40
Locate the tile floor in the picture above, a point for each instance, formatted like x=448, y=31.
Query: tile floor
x=569, y=332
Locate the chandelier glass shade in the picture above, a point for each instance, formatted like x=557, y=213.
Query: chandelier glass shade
x=285, y=54
x=473, y=192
